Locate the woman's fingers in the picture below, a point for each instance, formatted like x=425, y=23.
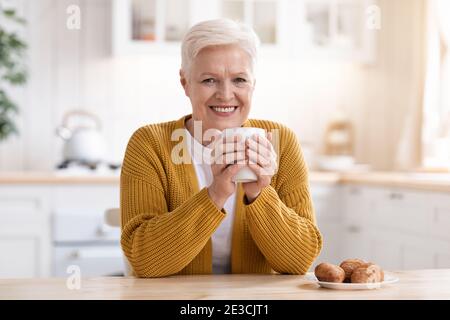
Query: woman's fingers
x=259, y=148
x=230, y=158
x=223, y=161
x=228, y=152
x=232, y=170
x=226, y=149
x=256, y=158
x=262, y=156
x=257, y=152
x=219, y=141
x=262, y=172
x=263, y=140
x=263, y=148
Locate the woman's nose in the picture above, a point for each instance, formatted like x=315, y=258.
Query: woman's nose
x=225, y=91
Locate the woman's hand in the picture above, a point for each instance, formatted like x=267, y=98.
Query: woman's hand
x=263, y=162
x=227, y=158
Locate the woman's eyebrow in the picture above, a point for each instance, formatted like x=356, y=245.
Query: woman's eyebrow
x=216, y=75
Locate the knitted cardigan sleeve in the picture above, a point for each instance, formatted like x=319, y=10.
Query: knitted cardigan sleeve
x=157, y=242
x=281, y=219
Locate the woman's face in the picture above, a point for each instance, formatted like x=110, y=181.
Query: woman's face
x=220, y=86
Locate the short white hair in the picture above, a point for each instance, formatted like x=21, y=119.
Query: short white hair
x=215, y=33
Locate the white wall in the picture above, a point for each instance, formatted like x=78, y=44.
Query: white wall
x=72, y=69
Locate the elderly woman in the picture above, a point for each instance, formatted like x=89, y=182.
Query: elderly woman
x=190, y=217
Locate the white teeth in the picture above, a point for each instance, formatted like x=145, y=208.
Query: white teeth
x=224, y=109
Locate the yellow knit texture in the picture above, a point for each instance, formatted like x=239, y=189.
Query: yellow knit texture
x=167, y=222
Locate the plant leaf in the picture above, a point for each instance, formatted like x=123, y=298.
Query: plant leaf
x=6, y=104
x=11, y=14
x=16, y=78
x=12, y=71
x=7, y=127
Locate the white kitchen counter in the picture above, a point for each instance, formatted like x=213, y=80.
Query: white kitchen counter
x=420, y=181
x=437, y=182
x=56, y=178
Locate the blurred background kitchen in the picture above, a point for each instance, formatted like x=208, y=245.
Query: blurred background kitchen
x=364, y=84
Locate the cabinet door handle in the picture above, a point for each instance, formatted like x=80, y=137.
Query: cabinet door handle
x=354, y=229
x=96, y=253
x=395, y=195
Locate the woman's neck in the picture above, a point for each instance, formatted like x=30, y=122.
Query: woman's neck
x=189, y=124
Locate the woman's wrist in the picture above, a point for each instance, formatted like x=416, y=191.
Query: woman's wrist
x=250, y=198
x=217, y=199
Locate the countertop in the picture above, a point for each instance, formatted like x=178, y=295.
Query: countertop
x=439, y=182
x=56, y=178
x=419, y=284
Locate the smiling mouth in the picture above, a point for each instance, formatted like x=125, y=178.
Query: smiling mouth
x=224, y=109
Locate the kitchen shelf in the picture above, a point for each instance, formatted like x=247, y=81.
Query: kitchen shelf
x=158, y=26
x=304, y=29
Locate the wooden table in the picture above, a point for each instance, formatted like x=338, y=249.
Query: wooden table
x=421, y=284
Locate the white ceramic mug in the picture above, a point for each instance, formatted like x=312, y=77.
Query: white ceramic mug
x=245, y=174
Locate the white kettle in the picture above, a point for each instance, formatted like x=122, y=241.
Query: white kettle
x=83, y=142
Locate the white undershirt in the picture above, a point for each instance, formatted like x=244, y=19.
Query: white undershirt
x=221, y=238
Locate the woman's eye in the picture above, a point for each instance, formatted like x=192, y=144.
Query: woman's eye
x=210, y=80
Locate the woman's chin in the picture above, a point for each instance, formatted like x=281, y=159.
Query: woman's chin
x=225, y=124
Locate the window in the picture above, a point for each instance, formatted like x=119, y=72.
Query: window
x=436, y=109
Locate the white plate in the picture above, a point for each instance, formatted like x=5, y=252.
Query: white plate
x=388, y=279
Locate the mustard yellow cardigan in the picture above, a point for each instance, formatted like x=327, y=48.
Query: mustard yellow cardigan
x=167, y=222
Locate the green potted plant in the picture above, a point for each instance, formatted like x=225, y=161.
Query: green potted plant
x=12, y=70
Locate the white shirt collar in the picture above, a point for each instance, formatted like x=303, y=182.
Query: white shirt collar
x=199, y=153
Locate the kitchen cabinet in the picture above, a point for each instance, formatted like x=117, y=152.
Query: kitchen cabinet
x=328, y=211
x=397, y=228
x=80, y=235
x=336, y=29
x=356, y=207
x=306, y=29
x=440, y=223
x=48, y=223
x=158, y=26
x=46, y=227
x=24, y=232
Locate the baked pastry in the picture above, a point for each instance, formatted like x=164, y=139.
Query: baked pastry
x=328, y=272
x=350, y=265
x=368, y=274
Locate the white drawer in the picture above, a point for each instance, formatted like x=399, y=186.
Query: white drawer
x=85, y=196
x=82, y=225
x=441, y=219
x=22, y=204
x=407, y=211
x=93, y=261
x=326, y=202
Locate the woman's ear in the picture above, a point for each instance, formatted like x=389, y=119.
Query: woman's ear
x=184, y=82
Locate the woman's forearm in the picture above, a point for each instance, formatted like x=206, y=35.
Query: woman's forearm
x=288, y=237
x=159, y=243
